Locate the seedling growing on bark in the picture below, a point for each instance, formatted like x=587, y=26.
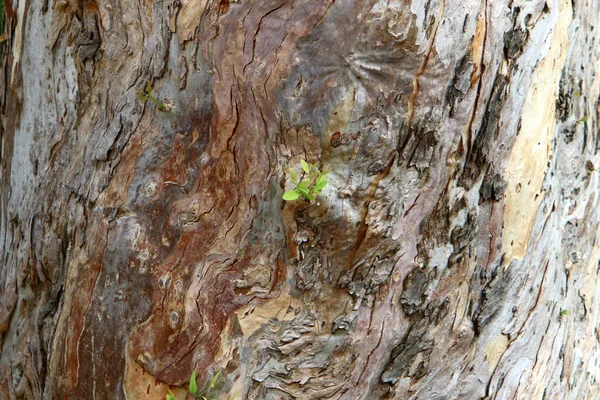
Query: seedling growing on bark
x=146, y=95
x=310, y=184
x=193, y=388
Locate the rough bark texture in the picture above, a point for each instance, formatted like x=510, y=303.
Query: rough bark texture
x=454, y=253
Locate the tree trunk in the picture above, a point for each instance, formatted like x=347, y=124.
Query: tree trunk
x=454, y=253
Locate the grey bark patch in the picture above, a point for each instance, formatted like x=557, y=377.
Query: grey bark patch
x=515, y=38
x=514, y=42
x=568, y=134
x=461, y=237
x=493, y=297
x=460, y=83
x=423, y=154
x=493, y=187
x=478, y=157
x=414, y=290
x=564, y=103
x=411, y=356
x=404, y=355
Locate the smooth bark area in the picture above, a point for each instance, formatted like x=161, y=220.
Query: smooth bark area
x=454, y=253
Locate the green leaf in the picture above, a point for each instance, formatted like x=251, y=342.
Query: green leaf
x=303, y=192
x=303, y=185
x=291, y=195
x=170, y=396
x=320, y=185
x=213, y=381
x=305, y=166
x=193, y=384
x=322, y=178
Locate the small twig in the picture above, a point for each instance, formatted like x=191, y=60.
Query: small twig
x=146, y=95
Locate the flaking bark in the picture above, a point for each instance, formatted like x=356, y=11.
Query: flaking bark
x=453, y=254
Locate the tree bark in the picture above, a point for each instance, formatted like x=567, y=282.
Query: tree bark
x=454, y=253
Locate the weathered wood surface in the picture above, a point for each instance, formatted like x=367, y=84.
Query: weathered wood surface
x=461, y=217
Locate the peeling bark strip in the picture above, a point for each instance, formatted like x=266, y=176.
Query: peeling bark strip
x=455, y=252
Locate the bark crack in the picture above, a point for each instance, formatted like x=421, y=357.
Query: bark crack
x=468, y=141
x=257, y=32
x=373, y=350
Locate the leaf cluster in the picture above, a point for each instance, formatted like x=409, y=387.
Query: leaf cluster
x=146, y=95
x=309, y=185
x=193, y=388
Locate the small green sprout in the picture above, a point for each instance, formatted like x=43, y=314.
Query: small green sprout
x=193, y=384
x=213, y=381
x=193, y=388
x=171, y=396
x=582, y=120
x=146, y=95
x=310, y=185
x=563, y=313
